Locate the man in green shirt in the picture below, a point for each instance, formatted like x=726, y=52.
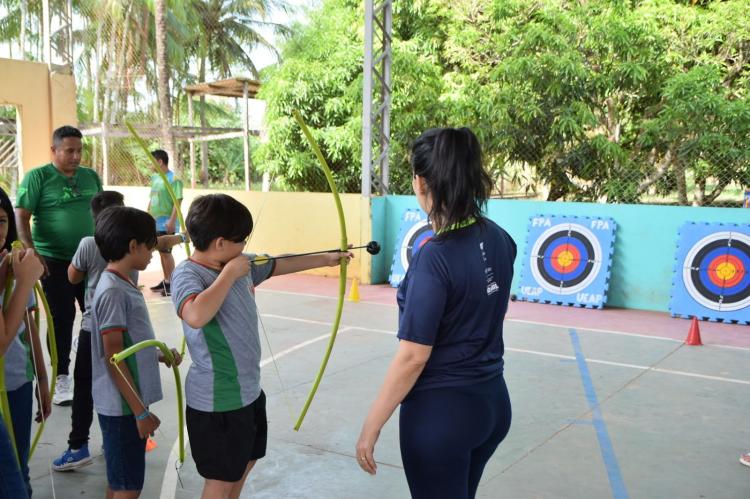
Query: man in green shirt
x=164, y=211
x=58, y=196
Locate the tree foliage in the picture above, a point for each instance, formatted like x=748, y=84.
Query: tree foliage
x=596, y=100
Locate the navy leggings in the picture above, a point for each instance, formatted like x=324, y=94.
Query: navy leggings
x=448, y=434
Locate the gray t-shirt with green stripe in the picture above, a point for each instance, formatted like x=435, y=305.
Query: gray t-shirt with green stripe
x=119, y=307
x=89, y=260
x=19, y=369
x=225, y=371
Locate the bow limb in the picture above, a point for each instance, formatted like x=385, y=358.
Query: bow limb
x=167, y=353
x=142, y=143
x=342, y=271
x=52, y=341
x=4, y=404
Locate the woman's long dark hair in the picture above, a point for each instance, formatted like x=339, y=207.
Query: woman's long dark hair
x=450, y=161
x=7, y=206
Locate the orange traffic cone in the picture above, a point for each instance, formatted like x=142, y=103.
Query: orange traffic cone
x=694, y=335
x=150, y=444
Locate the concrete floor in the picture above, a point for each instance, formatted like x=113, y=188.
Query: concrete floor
x=676, y=416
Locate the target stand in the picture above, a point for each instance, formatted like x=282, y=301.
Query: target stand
x=415, y=231
x=712, y=273
x=568, y=260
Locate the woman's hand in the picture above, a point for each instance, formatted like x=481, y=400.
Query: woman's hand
x=365, y=449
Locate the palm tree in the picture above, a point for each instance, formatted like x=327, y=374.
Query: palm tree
x=227, y=33
x=162, y=71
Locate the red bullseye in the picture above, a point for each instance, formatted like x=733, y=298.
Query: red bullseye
x=565, y=258
x=726, y=271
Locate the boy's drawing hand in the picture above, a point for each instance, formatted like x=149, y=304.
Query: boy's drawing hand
x=177, y=358
x=237, y=267
x=147, y=426
x=334, y=258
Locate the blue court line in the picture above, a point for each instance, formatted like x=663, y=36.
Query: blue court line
x=605, y=443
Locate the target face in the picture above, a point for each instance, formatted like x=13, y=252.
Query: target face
x=716, y=271
x=416, y=237
x=566, y=259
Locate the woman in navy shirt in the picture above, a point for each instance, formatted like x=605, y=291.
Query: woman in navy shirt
x=447, y=372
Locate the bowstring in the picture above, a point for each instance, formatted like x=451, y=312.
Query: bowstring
x=284, y=392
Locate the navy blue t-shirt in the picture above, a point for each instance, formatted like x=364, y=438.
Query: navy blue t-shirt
x=454, y=298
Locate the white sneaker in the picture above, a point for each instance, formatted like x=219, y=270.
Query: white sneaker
x=63, y=390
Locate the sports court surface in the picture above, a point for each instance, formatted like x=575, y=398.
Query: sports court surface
x=605, y=404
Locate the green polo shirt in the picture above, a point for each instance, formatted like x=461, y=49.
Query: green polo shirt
x=61, y=208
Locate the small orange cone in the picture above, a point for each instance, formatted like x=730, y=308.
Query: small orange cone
x=354, y=290
x=150, y=444
x=694, y=336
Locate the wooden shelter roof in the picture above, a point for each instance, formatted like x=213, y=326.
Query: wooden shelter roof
x=226, y=88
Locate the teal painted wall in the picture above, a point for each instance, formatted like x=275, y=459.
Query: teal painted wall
x=646, y=240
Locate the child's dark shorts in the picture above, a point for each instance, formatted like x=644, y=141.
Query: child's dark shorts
x=223, y=443
x=124, y=452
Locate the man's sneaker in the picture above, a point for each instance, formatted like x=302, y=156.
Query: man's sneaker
x=745, y=459
x=157, y=287
x=72, y=459
x=63, y=391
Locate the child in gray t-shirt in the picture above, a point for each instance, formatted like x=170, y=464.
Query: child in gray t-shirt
x=88, y=264
x=213, y=293
x=122, y=394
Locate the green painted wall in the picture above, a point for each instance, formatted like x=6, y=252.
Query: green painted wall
x=646, y=240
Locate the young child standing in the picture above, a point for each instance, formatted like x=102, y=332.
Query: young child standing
x=88, y=264
x=213, y=293
x=122, y=395
x=17, y=336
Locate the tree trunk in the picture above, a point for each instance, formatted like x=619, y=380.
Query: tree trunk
x=22, y=40
x=202, y=114
x=162, y=70
x=679, y=173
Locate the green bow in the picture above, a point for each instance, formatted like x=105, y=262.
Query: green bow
x=142, y=143
x=342, y=272
x=4, y=404
x=167, y=353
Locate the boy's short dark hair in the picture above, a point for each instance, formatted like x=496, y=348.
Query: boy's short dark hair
x=64, y=132
x=105, y=199
x=161, y=155
x=117, y=226
x=217, y=215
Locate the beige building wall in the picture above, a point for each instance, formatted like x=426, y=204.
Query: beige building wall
x=292, y=222
x=44, y=101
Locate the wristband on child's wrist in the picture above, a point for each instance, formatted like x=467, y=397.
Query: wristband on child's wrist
x=142, y=415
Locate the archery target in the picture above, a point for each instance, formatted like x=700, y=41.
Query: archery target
x=416, y=237
x=566, y=258
x=414, y=233
x=716, y=271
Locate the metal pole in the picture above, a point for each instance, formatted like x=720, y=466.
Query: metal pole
x=245, y=134
x=385, y=93
x=367, y=104
x=105, y=155
x=192, y=144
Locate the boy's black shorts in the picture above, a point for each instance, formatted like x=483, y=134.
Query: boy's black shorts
x=223, y=443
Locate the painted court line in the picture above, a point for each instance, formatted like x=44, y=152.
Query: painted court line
x=542, y=354
x=525, y=321
x=605, y=443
